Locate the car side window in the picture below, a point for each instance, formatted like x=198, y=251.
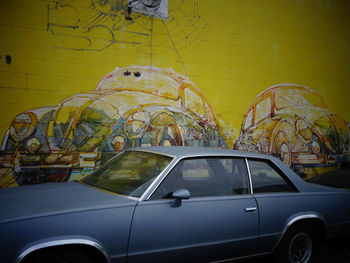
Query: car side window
x=206, y=177
x=266, y=178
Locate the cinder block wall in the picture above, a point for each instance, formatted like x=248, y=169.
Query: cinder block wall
x=231, y=50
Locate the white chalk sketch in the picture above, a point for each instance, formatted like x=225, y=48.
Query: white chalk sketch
x=132, y=106
x=293, y=122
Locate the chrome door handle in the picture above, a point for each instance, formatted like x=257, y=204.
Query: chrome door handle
x=250, y=209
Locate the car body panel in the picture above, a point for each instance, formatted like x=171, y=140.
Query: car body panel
x=34, y=215
x=215, y=227
x=28, y=202
x=329, y=208
x=65, y=241
x=107, y=227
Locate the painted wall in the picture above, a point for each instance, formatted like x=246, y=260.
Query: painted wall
x=225, y=53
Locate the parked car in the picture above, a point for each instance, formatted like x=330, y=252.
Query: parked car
x=132, y=106
x=293, y=123
x=173, y=204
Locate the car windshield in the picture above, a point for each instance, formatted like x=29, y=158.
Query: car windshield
x=130, y=173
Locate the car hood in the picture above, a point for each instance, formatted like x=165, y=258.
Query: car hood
x=33, y=201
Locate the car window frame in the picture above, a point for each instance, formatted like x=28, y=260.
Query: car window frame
x=177, y=161
x=277, y=169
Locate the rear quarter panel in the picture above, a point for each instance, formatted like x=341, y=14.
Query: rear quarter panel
x=279, y=210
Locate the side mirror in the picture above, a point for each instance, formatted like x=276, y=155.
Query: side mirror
x=179, y=195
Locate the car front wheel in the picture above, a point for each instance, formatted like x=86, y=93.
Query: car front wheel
x=297, y=246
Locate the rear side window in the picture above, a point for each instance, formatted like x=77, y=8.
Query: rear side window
x=266, y=178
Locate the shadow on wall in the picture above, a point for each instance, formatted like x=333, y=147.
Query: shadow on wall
x=133, y=106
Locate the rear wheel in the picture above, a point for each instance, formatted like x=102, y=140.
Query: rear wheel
x=297, y=246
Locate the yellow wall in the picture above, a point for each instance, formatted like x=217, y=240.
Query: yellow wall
x=232, y=50
x=235, y=51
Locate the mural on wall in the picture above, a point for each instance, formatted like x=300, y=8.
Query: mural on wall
x=95, y=25
x=293, y=123
x=230, y=49
x=144, y=106
x=132, y=106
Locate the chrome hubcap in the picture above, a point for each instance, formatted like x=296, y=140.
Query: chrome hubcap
x=300, y=248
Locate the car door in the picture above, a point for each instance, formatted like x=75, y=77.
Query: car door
x=278, y=199
x=219, y=221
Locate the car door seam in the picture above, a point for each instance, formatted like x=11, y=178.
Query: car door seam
x=130, y=229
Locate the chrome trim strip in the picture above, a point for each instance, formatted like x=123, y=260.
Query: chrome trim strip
x=60, y=243
x=149, y=151
x=250, y=209
x=297, y=218
x=241, y=258
x=249, y=177
x=294, y=220
x=146, y=195
x=227, y=153
x=160, y=178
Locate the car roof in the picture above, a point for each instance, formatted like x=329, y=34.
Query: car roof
x=187, y=151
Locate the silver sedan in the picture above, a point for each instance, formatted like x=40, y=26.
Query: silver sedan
x=173, y=204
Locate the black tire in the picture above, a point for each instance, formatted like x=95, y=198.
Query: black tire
x=61, y=255
x=298, y=245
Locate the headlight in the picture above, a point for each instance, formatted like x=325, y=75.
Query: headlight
x=23, y=126
x=136, y=124
x=303, y=130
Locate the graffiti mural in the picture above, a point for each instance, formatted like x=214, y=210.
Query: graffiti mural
x=132, y=106
x=96, y=25
x=57, y=125
x=293, y=123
